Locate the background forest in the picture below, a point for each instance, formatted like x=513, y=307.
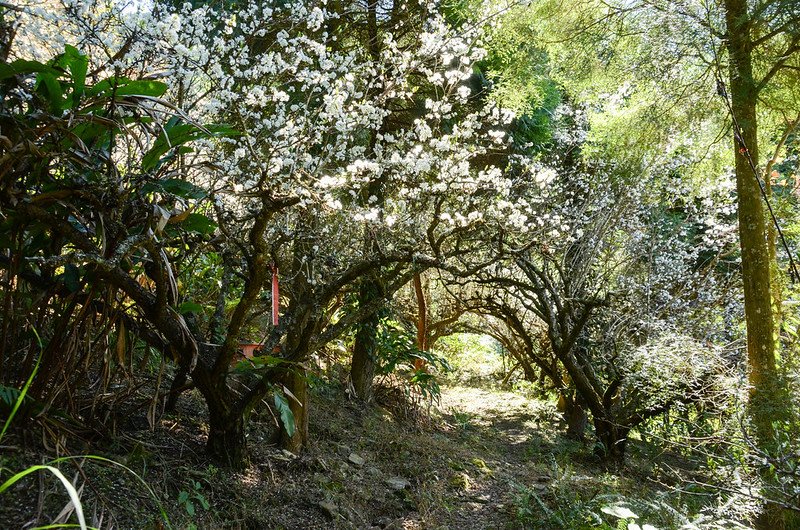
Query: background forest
x=399, y=264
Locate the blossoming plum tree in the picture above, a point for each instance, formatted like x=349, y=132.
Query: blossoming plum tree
x=291, y=186
x=631, y=265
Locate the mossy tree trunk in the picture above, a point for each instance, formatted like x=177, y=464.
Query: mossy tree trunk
x=362, y=368
x=296, y=383
x=763, y=376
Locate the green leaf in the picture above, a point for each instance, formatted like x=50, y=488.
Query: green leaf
x=140, y=480
x=171, y=137
x=182, y=188
x=142, y=88
x=50, y=88
x=189, y=307
x=287, y=417
x=177, y=187
x=258, y=361
x=72, y=277
x=22, y=67
x=190, y=508
x=122, y=86
x=183, y=496
x=266, y=360
x=203, y=502
x=24, y=390
x=89, y=133
x=198, y=223
x=71, y=491
x=8, y=395
x=105, y=85
x=77, y=63
x=176, y=135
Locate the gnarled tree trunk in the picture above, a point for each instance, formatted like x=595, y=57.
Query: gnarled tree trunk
x=575, y=416
x=362, y=368
x=613, y=439
x=227, y=443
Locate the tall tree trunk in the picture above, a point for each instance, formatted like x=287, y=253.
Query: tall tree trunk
x=295, y=381
x=226, y=443
x=303, y=324
x=216, y=325
x=753, y=237
x=776, y=282
x=362, y=368
x=610, y=432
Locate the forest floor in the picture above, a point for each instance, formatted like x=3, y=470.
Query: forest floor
x=481, y=459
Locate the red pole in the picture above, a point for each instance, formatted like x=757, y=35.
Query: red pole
x=275, y=295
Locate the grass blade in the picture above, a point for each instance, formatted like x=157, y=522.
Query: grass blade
x=25, y=388
x=71, y=491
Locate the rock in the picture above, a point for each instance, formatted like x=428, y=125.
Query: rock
x=411, y=520
x=284, y=456
x=482, y=499
x=356, y=460
x=397, y=483
x=329, y=509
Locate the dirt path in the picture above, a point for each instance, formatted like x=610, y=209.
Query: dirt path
x=462, y=471
x=502, y=441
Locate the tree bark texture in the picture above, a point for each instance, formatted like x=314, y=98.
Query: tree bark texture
x=226, y=439
x=362, y=369
x=752, y=235
x=613, y=439
x=752, y=224
x=575, y=416
x=295, y=381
